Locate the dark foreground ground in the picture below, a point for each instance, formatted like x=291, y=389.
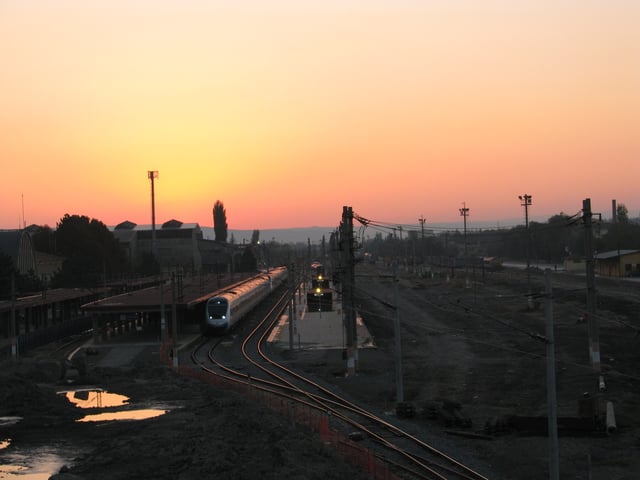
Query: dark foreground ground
x=208, y=432
x=471, y=361
x=471, y=345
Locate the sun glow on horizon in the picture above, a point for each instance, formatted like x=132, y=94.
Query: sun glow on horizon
x=286, y=112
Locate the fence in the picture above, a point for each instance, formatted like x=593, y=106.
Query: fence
x=303, y=415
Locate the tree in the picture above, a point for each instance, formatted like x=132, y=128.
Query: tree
x=220, y=227
x=621, y=235
x=246, y=261
x=23, y=283
x=622, y=213
x=44, y=240
x=92, y=254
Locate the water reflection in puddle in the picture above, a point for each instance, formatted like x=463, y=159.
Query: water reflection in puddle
x=33, y=463
x=5, y=442
x=142, y=414
x=95, y=398
x=39, y=463
x=30, y=463
x=6, y=421
x=99, y=398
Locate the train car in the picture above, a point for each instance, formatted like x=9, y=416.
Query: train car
x=317, y=270
x=320, y=296
x=227, y=308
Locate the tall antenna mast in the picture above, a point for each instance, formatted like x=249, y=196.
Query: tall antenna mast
x=24, y=221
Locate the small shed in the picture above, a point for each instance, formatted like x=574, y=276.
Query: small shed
x=618, y=263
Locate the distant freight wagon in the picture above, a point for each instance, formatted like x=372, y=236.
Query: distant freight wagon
x=320, y=296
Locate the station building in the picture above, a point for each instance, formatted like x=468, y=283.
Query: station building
x=32, y=319
x=179, y=246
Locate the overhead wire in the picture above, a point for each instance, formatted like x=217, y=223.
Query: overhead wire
x=539, y=227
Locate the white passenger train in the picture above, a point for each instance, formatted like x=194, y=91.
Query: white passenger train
x=230, y=306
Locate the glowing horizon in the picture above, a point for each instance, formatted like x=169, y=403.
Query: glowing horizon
x=287, y=111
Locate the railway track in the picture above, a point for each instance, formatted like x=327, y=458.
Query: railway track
x=246, y=360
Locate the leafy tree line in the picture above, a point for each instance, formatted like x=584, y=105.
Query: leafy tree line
x=92, y=255
x=560, y=237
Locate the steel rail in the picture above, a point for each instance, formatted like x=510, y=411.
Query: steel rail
x=328, y=401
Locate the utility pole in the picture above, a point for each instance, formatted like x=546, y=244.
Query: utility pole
x=422, y=220
x=592, y=323
x=174, y=321
x=292, y=303
x=396, y=329
x=13, y=330
x=163, y=320
x=525, y=201
x=554, y=470
x=346, y=240
x=464, y=211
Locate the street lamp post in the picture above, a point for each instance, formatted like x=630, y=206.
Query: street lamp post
x=464, y=211
x=525, y=201
x=422, y=220
x=152, y=175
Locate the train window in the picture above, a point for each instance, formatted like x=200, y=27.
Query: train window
x=217, y=309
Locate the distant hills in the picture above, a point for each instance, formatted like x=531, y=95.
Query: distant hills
x=283, y=235
x=300, y=235
x=315, y=234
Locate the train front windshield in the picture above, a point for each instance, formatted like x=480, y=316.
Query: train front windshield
x=217, y=308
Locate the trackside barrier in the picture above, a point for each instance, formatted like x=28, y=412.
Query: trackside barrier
x=315, y=420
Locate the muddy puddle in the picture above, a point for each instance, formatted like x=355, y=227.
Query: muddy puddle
x=34, y=463
x=26, y=462
x=99, y=399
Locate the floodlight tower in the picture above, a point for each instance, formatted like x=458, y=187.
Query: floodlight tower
x=152, y=175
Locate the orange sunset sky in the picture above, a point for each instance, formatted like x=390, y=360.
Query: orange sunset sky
x=287, y=110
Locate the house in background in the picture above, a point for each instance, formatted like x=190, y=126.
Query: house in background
x=618, y=263
x=47, y=265
x=574, y=264
x=179, y=245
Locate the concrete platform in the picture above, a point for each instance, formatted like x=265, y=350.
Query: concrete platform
x=122, y=355
x=318, y=330
x=312, y=331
